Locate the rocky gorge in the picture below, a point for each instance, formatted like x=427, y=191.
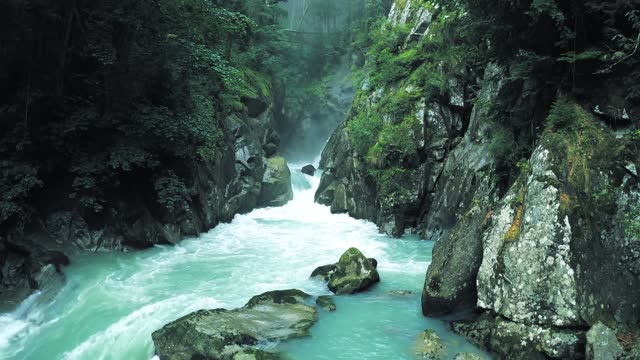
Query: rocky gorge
x=543, y=252
x=486, y=157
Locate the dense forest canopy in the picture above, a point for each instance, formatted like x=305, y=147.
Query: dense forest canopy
x=102, y=96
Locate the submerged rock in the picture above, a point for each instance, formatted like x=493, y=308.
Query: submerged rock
x=276, y=183
x=309, y=170
x=429, y=346
x=467, y=356
x=326, y=303
x=602, y=343
x=235, y=334
x=351, y=274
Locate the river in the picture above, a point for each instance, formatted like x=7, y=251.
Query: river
x=112, y=302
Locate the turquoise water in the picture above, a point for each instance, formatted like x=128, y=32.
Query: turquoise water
x=112, y=302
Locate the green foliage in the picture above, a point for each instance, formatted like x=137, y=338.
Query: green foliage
x=17, y=180
x=171, y=190
x=363, y=131
x=631, y=222
x=394, y=138
x=563, y=114
x=120, y=91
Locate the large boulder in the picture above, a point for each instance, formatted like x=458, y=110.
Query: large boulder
x=602, y=343
x=351, y=274
x=276, y=183
x=234, y=334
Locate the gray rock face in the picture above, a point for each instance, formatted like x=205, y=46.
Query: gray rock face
x=215, y=190
x=526, y=273
x=518, y=341
x=276, y=183
x=236, y=334
x=351, y=274
x=602, y=343
x=28, y=267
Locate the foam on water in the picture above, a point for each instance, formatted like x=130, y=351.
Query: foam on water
x=112, y=302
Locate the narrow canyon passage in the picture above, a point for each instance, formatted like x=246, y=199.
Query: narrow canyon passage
x=112, y=302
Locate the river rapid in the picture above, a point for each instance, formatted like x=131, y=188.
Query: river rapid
x=112, y=302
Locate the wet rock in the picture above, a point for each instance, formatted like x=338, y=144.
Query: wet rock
x=255, y=355
x=292, y=296
x=351, y=274
x=602, y=343
x=26, y=267
x=429, y=346
x=234, y=334
x=309, y=170
x=513, y=340
x=276, y=183
x=450, y=283
x=401, y=292
x=467, y=356
x=326, y=303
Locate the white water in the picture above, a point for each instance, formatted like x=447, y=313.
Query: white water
x=113, y=302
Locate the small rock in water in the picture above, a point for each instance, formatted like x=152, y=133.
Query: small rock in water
x=309, y=170
x=401, y=292
x=467, y=356
x=351, y=274
x=429, y=346
x=326, y=303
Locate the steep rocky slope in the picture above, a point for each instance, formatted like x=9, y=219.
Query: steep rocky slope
x=241, y=178
x=542, y=242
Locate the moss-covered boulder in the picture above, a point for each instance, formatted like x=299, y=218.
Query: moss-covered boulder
x=235, y=334
x=429, y=346
x=276, y=183
x=353, y=273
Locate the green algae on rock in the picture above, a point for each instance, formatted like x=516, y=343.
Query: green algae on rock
x=351, y=274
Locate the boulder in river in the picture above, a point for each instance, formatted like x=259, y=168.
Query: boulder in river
x=235, y=334
x=276, y=183
x=309, y=170
x=351, y=274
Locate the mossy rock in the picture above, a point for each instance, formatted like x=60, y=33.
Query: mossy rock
x=351, y=274
x=326, y=303
x=235, y=334
x=291, y=296
x=276, y=183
